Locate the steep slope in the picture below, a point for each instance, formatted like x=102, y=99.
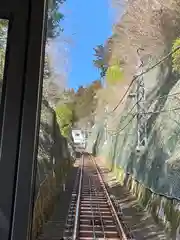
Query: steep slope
x=153, y=173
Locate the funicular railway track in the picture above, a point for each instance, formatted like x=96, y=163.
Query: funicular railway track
x=92, y=214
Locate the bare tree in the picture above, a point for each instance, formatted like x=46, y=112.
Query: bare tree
x=149, y=24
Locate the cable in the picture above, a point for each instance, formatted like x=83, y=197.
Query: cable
x=128, y=113
x=168, y=110
x=166, y=95
x=131, y=83
x=133, y=106
x=144, y=72
x=160, y=97
x=120, y=130
x=150, y=112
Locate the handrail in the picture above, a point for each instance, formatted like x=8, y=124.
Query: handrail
x=78, y=202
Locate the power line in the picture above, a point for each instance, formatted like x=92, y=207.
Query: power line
x=124, y=118
x=144, y=72
x=120, y=130
x=160, y=111
x=130, y=85
x=168, y=95
x=134, y=115
x=150, y=112
x=160, y=97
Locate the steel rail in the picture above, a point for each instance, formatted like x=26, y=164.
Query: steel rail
x=72, y=205
x=74, y=237
x=90, y=187
x=114, y=213
x=69, y=218
x=101, y=218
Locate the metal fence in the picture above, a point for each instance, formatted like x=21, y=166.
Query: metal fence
x=155, y=163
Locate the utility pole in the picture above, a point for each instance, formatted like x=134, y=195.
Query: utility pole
x=106, y=111
x=141, y=108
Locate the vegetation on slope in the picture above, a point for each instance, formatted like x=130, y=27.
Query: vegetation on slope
x=176, y=56
x=54, y=18
x=101, y=61
x=114, y=73
x=64, y=115
x=151, y=25
x=74, y=106
x=3, y=39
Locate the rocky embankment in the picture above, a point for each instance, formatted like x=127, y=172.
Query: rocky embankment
x=55, y=159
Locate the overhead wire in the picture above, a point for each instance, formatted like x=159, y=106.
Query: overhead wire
x=149, y=112
x=160, y=97
x=134, y=115
x=130, y=85
x=142, y=73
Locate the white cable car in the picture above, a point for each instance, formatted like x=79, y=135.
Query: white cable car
x=79, y=138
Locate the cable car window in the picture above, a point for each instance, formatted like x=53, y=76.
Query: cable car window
x=3, y=43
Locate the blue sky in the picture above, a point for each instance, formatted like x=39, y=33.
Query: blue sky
x=87, y=23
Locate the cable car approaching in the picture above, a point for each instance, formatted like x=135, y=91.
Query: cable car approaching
x=79, y=139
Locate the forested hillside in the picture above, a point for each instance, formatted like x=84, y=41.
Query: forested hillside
x=77, y=108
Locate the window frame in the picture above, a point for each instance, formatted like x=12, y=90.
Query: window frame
x=20, y=115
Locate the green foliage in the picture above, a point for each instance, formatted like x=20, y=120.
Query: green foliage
x=100, y=61
x=54, y=18
x=77, y=105
x=85, y=101
x=47, y=71
x=64, y=117
x=114, y=74
x=176, y=56
x=2, y=59
x=3, y=40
